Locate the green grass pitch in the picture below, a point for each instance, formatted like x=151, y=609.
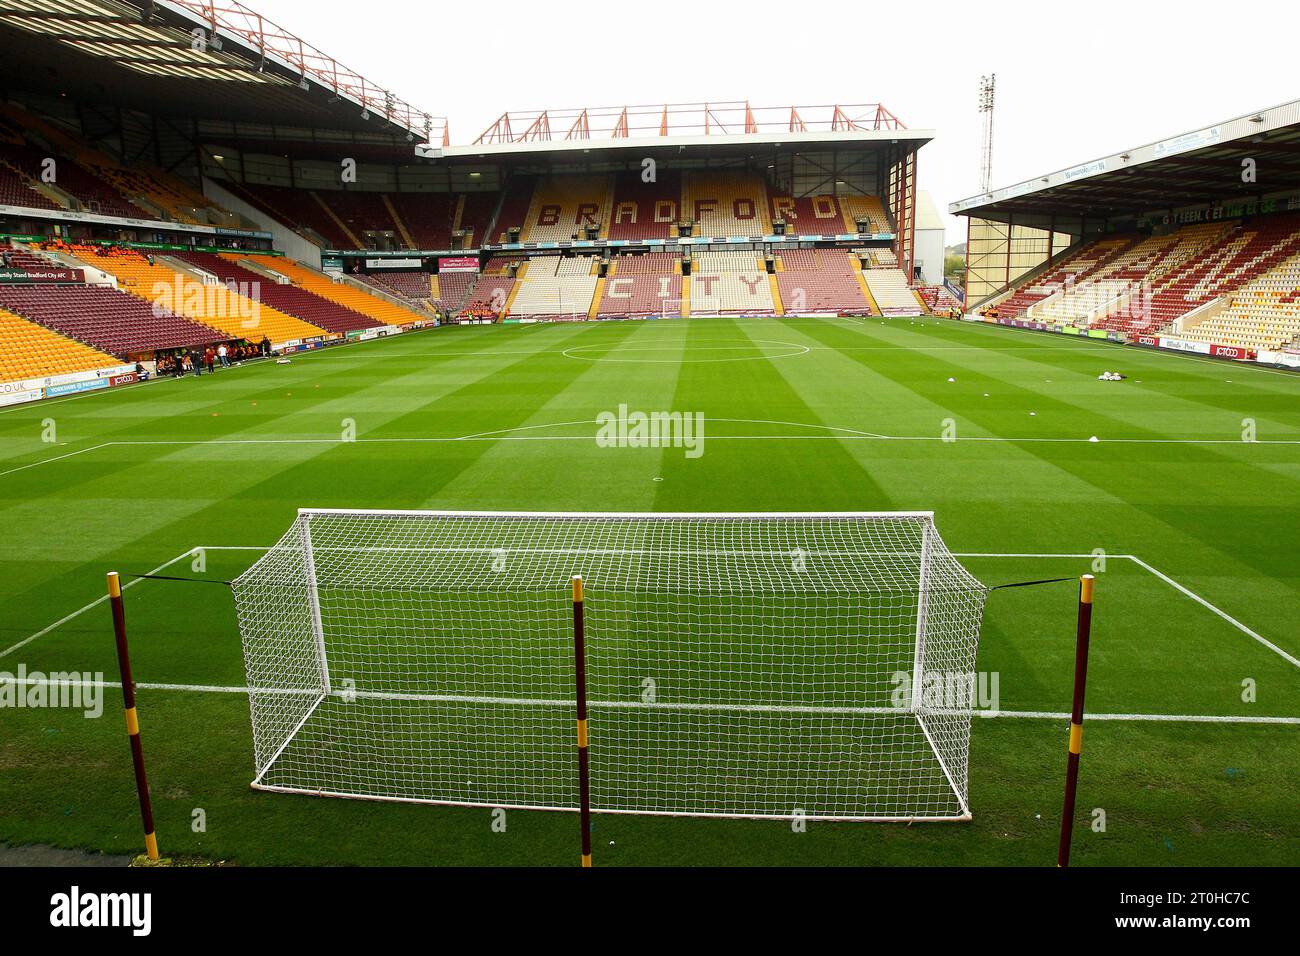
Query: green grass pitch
x=801, y=414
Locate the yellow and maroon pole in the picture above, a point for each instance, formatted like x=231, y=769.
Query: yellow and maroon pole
x=1082, y=635
x=132, y=719
x=580, y=672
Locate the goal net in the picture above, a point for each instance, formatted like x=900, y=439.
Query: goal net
x=748, y=665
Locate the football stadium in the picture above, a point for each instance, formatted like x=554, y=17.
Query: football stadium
x=629, y=485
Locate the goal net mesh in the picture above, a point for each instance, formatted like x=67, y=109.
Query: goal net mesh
x=743, y=665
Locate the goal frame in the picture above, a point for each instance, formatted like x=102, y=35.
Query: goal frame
x=914, y=707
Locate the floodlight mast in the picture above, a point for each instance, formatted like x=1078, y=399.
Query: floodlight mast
x=986, y=101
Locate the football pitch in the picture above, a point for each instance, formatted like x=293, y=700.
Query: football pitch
x=1185, y=506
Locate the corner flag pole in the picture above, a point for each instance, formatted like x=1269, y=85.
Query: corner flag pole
x=1082, y=636
x=132, y=720
x=580, y=674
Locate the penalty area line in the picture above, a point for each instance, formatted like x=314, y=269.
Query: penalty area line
x=93, y=604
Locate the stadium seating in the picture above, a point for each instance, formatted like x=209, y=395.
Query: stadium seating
x=1263, y=314
x=289, y=299
x=1074, y=267
x=892, y=292
x=489, y=296
x=28, y=351
x=513, y=214
x=1121, y=276
x=1245, y=252
x=554, y=286
x=361, y=211
x=219, y=307
x=381, y=311
x=865, y=207
x=729, y=282
x=820, y=280
x=106, y=319
x=453, y=289
x=939, y=300
x=727, y=204
x=649, y=284
x=415, y=286
x=92, y=193
x=298, y=209
x=646, y=210
x=809, y=215
x=426, y=217
x=16, y=189
x=476, y=211
x=563, y=207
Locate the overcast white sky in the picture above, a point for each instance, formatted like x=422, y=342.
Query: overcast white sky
x=1073, y=81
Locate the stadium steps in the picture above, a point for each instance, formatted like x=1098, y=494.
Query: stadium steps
x=777, y=305
x=608, y=215
x=343, y=226
x=28, y=351
x=459, y=216
x=397, y=221
x=596, y=299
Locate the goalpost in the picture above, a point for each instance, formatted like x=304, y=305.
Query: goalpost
x=738, y=665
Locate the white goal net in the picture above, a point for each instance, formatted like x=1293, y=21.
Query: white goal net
x=751, y=665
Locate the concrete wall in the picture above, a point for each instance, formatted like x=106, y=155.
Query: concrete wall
x=286, y=240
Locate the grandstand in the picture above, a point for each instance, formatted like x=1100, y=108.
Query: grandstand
x=1080, y=250
x=254, y=233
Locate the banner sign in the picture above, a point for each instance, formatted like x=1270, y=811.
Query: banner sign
x=73, y=388
x=153, y=225
x=458, y=264
x=22, y=276
x=19, y=397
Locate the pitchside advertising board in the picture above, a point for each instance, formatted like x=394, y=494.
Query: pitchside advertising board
x=1200, y=348
x=1152, y=341
x=53, y=386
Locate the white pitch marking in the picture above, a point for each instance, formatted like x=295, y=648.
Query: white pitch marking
x=1223, y=614
x=504, y=436
x=47, y=461
x=64, y=620
x=636, y=704
x=1163, y=577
